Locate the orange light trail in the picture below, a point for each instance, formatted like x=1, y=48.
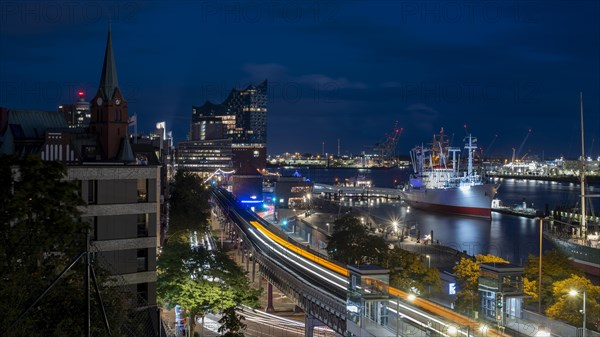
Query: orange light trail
x=424, y=304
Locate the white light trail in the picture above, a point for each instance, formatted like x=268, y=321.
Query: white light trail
x=307, y=261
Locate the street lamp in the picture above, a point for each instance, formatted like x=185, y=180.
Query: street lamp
x=327, y=227
x=574, y=293
x=540, y=270
x=428, y=267
x=484, y=329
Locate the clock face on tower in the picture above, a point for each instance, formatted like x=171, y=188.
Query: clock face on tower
x=117, y=101
x=99, y=101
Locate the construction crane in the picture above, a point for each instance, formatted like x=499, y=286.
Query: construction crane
x=387, y=148
x=487, y=149
x=518, y=154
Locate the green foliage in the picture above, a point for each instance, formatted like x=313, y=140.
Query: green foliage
x=41, y=235
x=189, y=210
x=467, y=273
x=351, y=243
x=198, y=280
x=409, y=273
x=467, y=270
x=231, y=323
x=201, y=281
x=530, y=289
x=555, y=267
x=489, y=258
x=567, y=307
x=467, y=301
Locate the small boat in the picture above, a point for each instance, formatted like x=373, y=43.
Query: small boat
x=517, y=209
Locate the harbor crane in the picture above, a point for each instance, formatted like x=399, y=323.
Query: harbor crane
x=518, y=153
x=487, y=149
x=387, y=148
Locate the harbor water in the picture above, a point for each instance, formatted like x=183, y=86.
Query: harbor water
x=510, y=237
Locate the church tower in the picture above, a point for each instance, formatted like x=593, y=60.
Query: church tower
x=109, y=113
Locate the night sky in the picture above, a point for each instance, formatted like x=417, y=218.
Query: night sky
x=346, y=70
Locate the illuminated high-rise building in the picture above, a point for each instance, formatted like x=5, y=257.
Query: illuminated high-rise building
x=77, y=114
x=244, y=117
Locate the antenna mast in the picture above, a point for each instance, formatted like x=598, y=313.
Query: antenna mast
x=582, y=173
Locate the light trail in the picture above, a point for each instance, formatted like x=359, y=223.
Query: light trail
x=300, y=265
x=300, y=251
x=339, y=270
x=424, y=304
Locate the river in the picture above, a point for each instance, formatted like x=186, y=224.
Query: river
x=510, y=237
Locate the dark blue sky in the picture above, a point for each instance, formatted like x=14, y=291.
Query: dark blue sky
x=344, y=70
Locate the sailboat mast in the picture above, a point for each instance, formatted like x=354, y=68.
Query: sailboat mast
x=582, y=173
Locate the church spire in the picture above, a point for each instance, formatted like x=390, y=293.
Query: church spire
x=108, y=78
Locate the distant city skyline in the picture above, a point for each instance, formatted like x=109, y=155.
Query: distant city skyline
x=336, y=70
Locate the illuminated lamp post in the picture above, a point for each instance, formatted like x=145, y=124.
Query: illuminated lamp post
x=540, y=271
x=574, y=293
x=428, y=267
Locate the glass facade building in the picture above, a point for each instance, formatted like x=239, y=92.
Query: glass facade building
x=501, y=291
x=243, y=117
x=204, y=157
x=243, y=112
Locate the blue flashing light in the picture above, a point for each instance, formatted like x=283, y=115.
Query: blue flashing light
x=307, y=180
x=251, y=201
x=284, y=222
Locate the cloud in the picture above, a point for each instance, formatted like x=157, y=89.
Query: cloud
x=271, y=71
x=277, y=73
x=326, y=83
x=423, y=115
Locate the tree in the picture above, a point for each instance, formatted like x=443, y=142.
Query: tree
x=189, y=210
x=197, y=279
x=41, y=235
x=556, y=266
x=467, y=273
x=408, y=272
x=200, y=280
x=231, y=323
x=567, y=308
x=351, y=243
x=530, y=289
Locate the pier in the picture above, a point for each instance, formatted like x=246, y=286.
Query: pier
x=337, y=192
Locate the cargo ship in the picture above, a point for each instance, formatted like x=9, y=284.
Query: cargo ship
x=440, y=184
